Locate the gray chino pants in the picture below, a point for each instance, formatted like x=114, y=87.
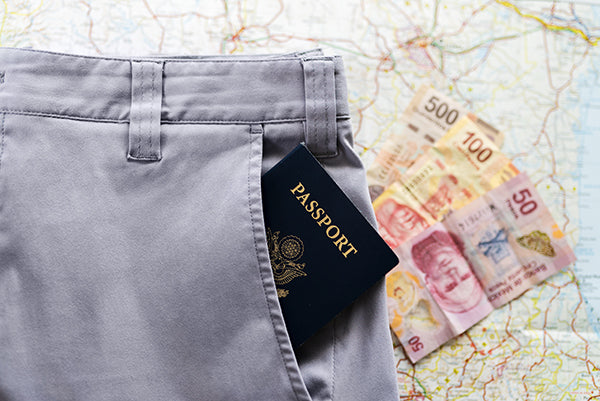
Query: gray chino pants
x=133, y=257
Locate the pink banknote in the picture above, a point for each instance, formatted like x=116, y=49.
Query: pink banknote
x=511, y=239
x=453, y=273
x=433, y=294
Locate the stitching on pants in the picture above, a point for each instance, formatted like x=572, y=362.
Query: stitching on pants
x=326, y=99
x=151, y=128
x=166, y=58
x=244, y=122
x=318, y=113
x=139, y=116
x=333, y=359
x=110, y=120
x=62, y=116
x=262, y=279
x=256, y=129
x=2, y=143
x=314, y=114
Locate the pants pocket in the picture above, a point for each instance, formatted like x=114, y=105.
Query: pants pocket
x=151, y=276
x=281, y=337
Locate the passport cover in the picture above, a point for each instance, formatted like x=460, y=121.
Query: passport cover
x=323, y=252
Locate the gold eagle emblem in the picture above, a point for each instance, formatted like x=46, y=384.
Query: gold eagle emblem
x=283, y=254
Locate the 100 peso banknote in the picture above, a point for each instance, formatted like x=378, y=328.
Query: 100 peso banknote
x=463, y=165
x=453, y=273
x=428, y=117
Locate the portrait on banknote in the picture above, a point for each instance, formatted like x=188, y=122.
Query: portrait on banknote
x=448, y=275
x=398, y=222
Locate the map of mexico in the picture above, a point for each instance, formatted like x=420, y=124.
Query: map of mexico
x=528, y=68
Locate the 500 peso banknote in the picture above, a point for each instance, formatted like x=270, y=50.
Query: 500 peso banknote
x=428, y=117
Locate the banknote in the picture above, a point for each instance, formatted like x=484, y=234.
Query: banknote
x=452, y=299
x=448, y=176
x=398, y=152
x=476, y=259
x=415, y=318
x=461, y=166
x=511, y=239
x=432, y=113
x=427, y=118
x=400, y=215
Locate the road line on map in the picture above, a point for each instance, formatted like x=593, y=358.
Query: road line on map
x=3, y=19
x=546, y=25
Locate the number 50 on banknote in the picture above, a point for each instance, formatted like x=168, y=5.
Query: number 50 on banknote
x=455, y=272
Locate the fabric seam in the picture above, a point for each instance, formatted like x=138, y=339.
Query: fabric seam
x=315, y=114
x=166, y=58
x=151, y=112
x=110, y=120
x=139, y=115
x=328, y=133
x=2, y=140
x=251, y=133
x=333, y=359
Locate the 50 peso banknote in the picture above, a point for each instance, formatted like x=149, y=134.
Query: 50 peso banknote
x=511, y=239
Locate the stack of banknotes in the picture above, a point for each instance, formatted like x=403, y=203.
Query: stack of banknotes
x=471, y=231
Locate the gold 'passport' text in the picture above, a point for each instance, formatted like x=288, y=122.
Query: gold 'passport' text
x=323, y=220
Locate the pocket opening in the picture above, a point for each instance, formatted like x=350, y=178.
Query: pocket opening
x=264, y=264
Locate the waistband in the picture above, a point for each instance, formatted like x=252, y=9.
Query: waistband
x=197, y=88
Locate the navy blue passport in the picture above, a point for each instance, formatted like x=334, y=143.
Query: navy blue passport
x=324, y=253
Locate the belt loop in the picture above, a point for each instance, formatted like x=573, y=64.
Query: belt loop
x=144, y=116
x=320, y=130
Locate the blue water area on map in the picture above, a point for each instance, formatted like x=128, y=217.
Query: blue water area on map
x=587, y=250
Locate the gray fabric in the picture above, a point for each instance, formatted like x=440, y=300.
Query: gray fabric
x=319, y=88
x=144, y=117
x=150, y=280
